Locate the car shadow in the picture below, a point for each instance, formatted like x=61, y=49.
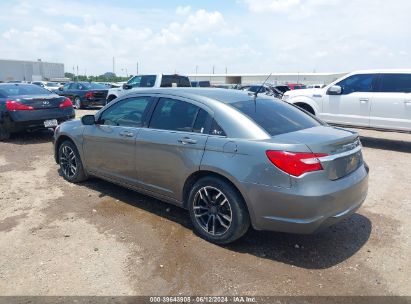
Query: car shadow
x=386, y=144
x=317, y=251
x=30, y=138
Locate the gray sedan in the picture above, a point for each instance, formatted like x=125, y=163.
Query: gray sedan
x=231, y=159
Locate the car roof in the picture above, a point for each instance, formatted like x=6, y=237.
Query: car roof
x=202, y=94
x=383, y=71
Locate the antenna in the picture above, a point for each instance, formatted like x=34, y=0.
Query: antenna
x=259, y=89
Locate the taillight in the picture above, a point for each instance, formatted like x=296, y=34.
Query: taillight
x=13, y=105
x=295, y=163
x=89, y=95
x=66, y=103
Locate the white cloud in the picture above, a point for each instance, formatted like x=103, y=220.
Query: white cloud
x=271, y=5
x=183, y=10
x=272, y=35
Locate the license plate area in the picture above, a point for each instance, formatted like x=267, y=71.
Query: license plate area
x=343, y=166
x=51, y=123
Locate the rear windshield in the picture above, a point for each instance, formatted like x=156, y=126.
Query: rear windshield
x=276, y=117
x=169, y=81
x=8, y=90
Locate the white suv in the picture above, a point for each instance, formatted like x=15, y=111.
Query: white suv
x=149, y=81
x=377, y=99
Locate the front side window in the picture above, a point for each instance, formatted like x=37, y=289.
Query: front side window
x=357, y=83
x=142, y=81
x=127, y=113
x=276, y=117
x=174, y=115
x=395, y=83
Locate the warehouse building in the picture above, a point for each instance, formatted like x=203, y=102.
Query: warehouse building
x=20, y=70
x=275, y=78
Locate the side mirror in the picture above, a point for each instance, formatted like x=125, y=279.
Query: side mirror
x=88, y=120
x=334, y=90
x=127, y=86
x=60, y=88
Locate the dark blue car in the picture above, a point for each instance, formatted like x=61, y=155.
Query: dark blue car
x=30, y=107
x=84, y=94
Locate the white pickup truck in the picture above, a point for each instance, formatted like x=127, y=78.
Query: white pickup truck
x=376, y=98
x=148, y=81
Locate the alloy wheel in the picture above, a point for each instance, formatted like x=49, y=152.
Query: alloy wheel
x=212, y=211
x=68, y=162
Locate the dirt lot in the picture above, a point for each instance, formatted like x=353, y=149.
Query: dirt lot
x=100, y=239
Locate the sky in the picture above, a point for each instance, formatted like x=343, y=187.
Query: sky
x=240, y=36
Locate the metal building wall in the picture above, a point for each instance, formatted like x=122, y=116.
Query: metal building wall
x=30, y=70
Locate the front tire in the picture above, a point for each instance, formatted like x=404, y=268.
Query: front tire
x=217, y=211
x=70, y=163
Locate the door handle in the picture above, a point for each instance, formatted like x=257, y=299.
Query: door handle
x=364, y=100
x=187, y=140
x=126, y=134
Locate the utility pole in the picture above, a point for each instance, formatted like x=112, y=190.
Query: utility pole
x=196, y=71
x=226, y=70
x=114, y=66
x=77, y=73
x=137, y=68
x=213, y=69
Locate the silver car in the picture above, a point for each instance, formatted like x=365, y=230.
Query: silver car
x=231, y=159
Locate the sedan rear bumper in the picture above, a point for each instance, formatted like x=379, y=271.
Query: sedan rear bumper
x=34, y=120
x=306, y=210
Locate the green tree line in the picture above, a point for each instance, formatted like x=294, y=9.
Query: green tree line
x=100, y=78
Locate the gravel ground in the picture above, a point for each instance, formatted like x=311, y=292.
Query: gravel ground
x=96, y=238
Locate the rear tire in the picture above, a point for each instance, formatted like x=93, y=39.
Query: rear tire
x=78, y=104
x=70, y=163
x=4, y=133
x=217, y=211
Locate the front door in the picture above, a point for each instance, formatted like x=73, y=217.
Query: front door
x=353, y=106
x=172, y=147
x=110, y=145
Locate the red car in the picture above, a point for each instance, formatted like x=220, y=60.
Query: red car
x=295, y=86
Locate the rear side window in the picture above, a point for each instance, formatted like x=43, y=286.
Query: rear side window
x=169, y=81
x=8, y=90
x=357, y=83
x=127, y=113
x=174, y=115
x=276, y=117
x=395, y=83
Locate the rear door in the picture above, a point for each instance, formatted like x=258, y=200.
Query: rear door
x=391, y=105
x=173, y=146
x=353, y=106
x=109, y=145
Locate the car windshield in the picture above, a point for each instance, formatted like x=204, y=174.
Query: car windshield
x=52, y=84
x=276, y=117
x=22, y=89
x=93, y=86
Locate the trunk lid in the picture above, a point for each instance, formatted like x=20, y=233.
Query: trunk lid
x=99, y=94
x=38, y=102
x=343, y=148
